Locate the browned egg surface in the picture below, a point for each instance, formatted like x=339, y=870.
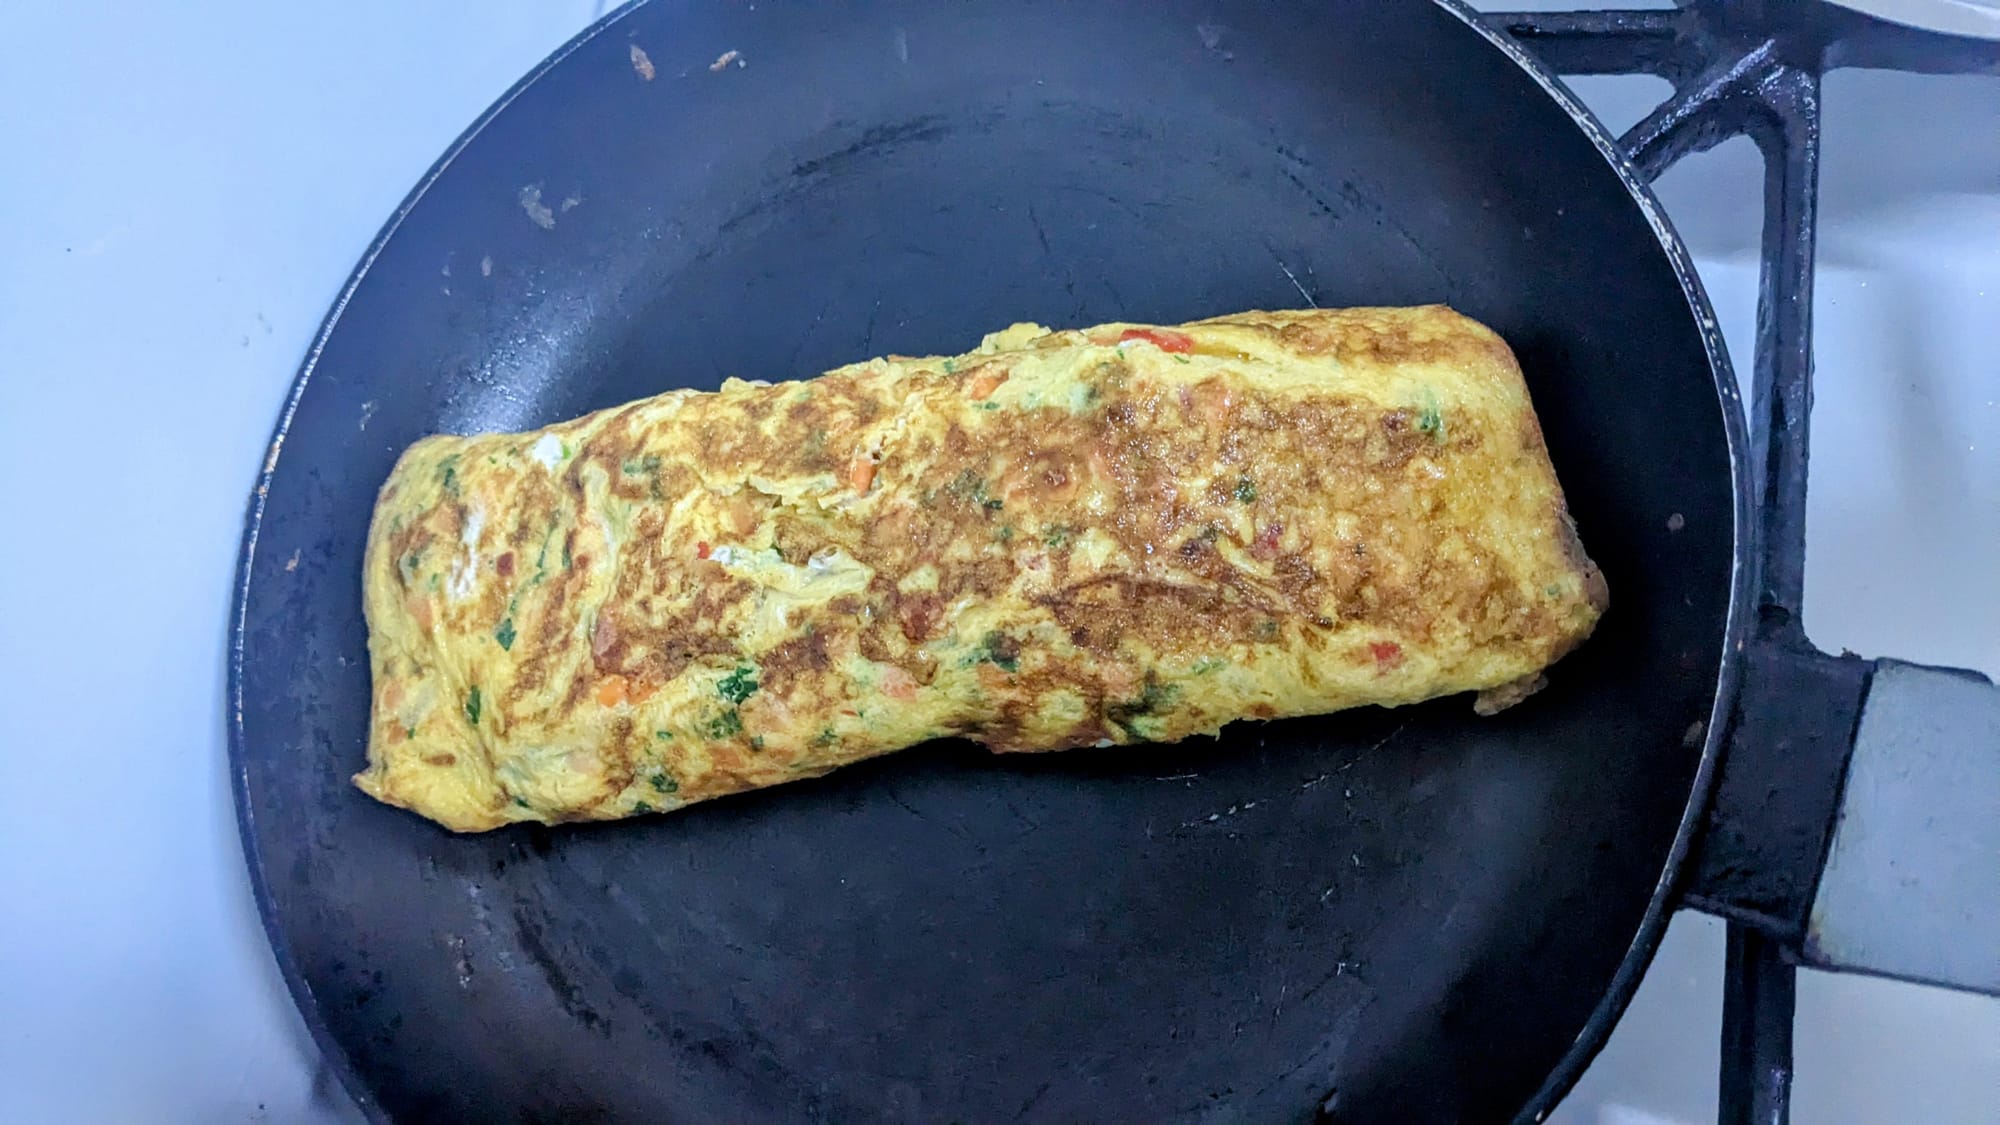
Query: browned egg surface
x=1126, y=533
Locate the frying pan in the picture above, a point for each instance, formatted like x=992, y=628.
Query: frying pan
x=1409, y=914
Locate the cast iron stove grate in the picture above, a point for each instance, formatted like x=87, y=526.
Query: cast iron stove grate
x=1753, y=68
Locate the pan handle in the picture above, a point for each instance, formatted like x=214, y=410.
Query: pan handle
x=1856, y=821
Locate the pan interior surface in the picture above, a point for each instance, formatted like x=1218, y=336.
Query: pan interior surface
x=1402, y=915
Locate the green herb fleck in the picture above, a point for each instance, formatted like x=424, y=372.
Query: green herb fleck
x=1552, y=590
x=1180, y=358
x=739, y=685
x=1209, y=664
x=565, y=553
x=505, y=634
x=726, y=725
x=664, y=734
x=448, y=475
x=989, y=406
x=1006, y=533
x=642, y=807
x=522, y=802
x=1000, y=650
x=1430, y=419
x=757, y=742
x=971, y=487
x=1057, y=536
x=826, y=737
x=648, y=467
x=1246, y=490
x=542, y=556
x=1267, y=629
x=664, y=783
x=951, y=367
x=967, y=485
x=1132, y=714
x=472, y=706
x=410, y=732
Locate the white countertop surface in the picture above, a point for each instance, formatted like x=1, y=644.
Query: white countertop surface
x=187, y=186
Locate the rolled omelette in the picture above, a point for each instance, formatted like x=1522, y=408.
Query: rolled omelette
x=1122, y=534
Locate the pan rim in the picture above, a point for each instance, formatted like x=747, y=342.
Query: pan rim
x=330, y=1048
x=1645, y=942
x=1638, y=956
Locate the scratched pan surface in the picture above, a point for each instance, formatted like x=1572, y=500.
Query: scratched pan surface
x=1417, y=914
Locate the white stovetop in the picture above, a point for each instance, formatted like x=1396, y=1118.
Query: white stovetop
x=186, y=187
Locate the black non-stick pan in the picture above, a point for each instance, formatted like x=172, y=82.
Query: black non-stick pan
x=1400, y=915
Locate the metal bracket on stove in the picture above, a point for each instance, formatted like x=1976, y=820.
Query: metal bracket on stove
x=1764, y=842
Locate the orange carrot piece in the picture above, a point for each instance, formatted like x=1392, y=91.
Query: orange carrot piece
x=984, y=384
